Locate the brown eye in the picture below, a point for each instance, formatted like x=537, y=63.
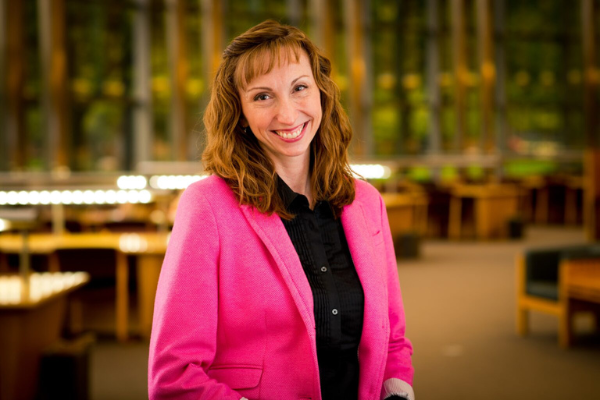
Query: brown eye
x=300, y=88
x=261, y=97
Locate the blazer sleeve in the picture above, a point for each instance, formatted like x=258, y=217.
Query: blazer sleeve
x=399, y=371
x=184, y=330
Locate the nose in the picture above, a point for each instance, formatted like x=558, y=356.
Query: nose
x=286, y=112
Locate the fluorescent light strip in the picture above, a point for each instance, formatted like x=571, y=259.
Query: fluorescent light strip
x=132, y=182
x=45, y=197
x=371, y=171
x=174, y=181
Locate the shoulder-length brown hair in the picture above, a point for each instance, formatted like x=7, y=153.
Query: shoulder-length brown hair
x=235, y=154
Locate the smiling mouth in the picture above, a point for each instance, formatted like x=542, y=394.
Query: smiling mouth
x=293, y=134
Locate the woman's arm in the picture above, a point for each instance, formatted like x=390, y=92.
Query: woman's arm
x=184, y=331
x=398, y=371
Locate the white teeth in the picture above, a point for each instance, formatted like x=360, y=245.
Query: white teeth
x=290, y=135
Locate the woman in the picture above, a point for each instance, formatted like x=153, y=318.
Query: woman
x=280, y=279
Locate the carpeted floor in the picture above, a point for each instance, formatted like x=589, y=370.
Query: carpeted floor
x=460, y=305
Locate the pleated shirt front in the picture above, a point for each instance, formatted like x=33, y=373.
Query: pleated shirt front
x=338, y=298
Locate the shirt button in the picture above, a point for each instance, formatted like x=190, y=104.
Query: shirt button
x=334, y=311
x=323, y=269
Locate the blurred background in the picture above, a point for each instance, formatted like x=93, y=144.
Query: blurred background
x=476, y=119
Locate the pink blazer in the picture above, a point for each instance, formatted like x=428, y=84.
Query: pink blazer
x=234, y=311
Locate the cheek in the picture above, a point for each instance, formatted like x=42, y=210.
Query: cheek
x=257, y=120
x=317, y=112
x=317, y=109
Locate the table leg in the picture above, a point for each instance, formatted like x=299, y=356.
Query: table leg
x=423, y=220
x=483, y=224
x=148, y=271
x=542, y=207
x=122, y=298
x=526, y=205
x=455, y=218
x=570, y=206
x=565, y=328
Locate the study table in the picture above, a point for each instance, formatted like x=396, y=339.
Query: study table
x=148, y=248
x=407, y=212
x=546, y=192
x=494, y=206
x=31, y=316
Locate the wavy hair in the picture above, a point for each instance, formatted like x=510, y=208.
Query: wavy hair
x=235, y=154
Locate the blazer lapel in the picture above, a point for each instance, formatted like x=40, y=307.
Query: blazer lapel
x=271, y=231
x=360, y=243
x=373, y=344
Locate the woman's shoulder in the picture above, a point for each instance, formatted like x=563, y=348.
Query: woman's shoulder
x=212, y=188
x=209, y=183
x=365, y=192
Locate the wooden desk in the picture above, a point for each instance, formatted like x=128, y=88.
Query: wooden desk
x=494, y=205
x=407, y=212
x=580, y=287
x=582, y=280
x=149, y=248
x=31, y=318
x=544, y=209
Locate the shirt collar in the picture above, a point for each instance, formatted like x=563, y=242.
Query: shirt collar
x=292, y=201
x=296, y=202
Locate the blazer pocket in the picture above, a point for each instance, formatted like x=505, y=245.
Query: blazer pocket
x=378, y=238
x=238, y=376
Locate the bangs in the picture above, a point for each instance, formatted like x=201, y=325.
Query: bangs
x=262, y=59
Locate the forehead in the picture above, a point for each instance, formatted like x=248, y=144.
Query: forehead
x=262, y=60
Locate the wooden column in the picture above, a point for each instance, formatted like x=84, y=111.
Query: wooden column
x=212, y=36
x=592, y=149
x=399, y=50
x=54, y=78
x=499, y=89
x=357, y=25
x=142, y=114
x=14, y=81
x=323, y=31
x=433, y=72
x=212, y=46
x=179, y=70
x=4, y=142
x=487, y=72
x=460, y=71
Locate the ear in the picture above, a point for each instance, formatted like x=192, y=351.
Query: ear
x=243, y=122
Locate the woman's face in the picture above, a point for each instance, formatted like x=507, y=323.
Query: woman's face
x=283, y=109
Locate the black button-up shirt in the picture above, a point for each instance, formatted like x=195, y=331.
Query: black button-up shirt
x=338, y=297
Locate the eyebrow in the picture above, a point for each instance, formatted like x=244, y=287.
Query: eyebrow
x=268, y=88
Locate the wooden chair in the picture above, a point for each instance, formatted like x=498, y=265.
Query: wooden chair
x=543, y=284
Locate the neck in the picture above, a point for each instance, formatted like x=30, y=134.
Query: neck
x=297, y=178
